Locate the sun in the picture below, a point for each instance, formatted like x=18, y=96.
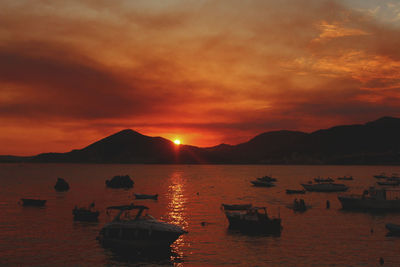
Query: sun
x=177, y=142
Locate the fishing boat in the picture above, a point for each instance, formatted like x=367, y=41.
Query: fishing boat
x=325, y=187
x=128, y=231
x=144, y=196
x=236, y=206
x=323, y=180
x=290, y=191
x=33, y=202
x=259, y=183
x=85, y=214
x=253, y=219
x=383, y=199
x=394, y=229
x=346, y=178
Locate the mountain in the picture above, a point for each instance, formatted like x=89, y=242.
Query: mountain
x=375, y=142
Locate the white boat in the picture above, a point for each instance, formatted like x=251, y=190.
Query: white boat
x=394, y=229
x=138, y=232
x=325, y=187
x=373, y=199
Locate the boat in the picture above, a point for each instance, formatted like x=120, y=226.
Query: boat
x=380, y=199
x=323, y=180
x=85, y=214
x=267, y=179
x=144, y=196
x=389, y=183
x=120, y=181
x=394, y=229
x=290, y=191
x=137, y=232
x=253, y=219
x=347, y=178
x=381, y=176
x=236, y=206
x=61, y=185
x=325, y=187
x=33, y=202
x=262, y=183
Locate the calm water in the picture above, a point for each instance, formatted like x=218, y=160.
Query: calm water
x=319, y=237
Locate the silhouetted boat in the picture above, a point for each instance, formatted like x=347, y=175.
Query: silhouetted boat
x=138, y=232
x=61, y=185
x=394, y=229
x=85, y=214
x=290, y=191
x=262, y=183
x=373, y=199
x=33, y=202
x=389, y=183
x=120, y=181
x=144, y=196
x=347, y=178
x=236, y=206
x=252, y=220
x=381, y=176
x=323, y=180
x=325, y=187
x=267, y=179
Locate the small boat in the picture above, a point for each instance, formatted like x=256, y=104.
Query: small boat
x=290, y=191
x=262, y=183
x=144, y=196
x=253, y=219
x=120, y=181
x=85, y=214
x=347, y=178
x=381, y=176
x=61, y=185
x=389, y=183
x=379, y=199
x=323, y=180
x=394, y=229
x=325, y=187
x=236, y=206
x=128, y=231
x=33, y=202
x=267, y=179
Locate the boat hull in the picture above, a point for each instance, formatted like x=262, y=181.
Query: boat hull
x=88, y=216
x=237, y=222
x=33, y=202
x=262, y=184
x=353, y=203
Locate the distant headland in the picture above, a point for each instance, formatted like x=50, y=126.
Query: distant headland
x=372, y=143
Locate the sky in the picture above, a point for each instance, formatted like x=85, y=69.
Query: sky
x=205, y=72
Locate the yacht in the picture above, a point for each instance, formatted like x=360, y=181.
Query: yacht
x=138, y=231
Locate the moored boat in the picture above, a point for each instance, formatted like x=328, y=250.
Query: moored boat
x=85, y=214
x=267, y=179
x=120, y=181
x=137, y=232
x=346, y=178
x=380, y=199
x=290, y=191
x=262, y=183
x=33, y=202
x=325, y=187
x=144, y=196
x=394, y=229
x=61, y=185
x=253, y=219
x=389, y=183
x=381, y=176
x=236, y=206
x=323, y=180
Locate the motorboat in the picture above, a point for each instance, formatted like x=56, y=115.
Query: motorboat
x=267, y=179
x=85, y=214
x=394, y=229
x=323, y=180
x=120, y=181
x=236, y=206
x=144, y=196
x=383, y=199
x=325, y=187
x=259, y=183
x=253, y=219
x=61, y=185
x=290, y=191
x=33, y=202
x=346, y=178
x=139, y=231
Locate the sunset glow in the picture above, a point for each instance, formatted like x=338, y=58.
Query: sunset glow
x=215, y=72
x=177, y=142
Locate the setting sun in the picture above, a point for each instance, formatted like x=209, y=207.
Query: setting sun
x=177, y=142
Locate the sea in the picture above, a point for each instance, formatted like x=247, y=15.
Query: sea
x=191, y=196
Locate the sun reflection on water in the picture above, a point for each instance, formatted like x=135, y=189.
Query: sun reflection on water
x=176, y=211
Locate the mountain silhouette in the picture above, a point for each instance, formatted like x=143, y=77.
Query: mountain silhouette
x=374, y=142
